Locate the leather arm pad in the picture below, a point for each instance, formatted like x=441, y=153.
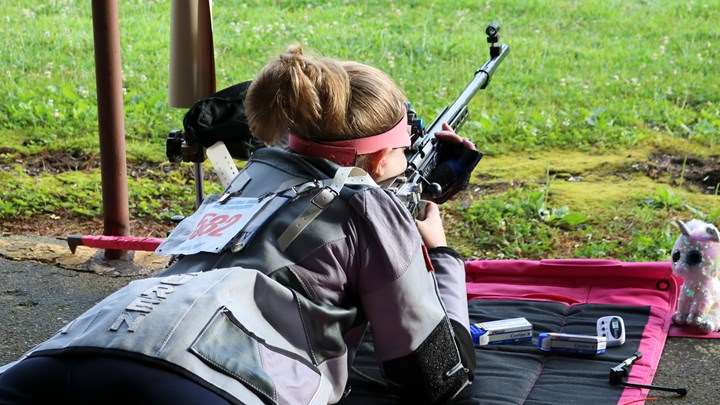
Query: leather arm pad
x=434, y=373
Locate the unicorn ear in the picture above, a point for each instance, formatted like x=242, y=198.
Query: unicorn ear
x=683, y=228
x=714, y=233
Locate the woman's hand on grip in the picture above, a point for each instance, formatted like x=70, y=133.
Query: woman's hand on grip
x=431, y=227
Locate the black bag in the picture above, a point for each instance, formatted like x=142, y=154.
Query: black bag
x=221, y=118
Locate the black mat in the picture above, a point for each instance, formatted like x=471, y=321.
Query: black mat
x=519, y=373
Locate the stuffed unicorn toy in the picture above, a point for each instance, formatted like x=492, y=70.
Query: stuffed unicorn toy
x=696, y=258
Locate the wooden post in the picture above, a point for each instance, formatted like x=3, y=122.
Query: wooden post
x=108, y=75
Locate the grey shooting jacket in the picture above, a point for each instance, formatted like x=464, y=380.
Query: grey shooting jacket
x=277, y=319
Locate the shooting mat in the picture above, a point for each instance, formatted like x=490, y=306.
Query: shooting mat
x=555, y=296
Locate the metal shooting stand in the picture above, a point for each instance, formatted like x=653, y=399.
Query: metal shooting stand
x=179, y=148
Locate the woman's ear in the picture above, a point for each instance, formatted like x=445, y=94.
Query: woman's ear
x=376, y=162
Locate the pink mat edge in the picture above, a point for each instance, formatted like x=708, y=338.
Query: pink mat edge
x=591, y=267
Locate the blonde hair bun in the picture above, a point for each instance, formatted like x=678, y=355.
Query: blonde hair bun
x=320, y=99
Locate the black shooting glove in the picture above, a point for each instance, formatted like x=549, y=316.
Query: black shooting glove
x=221, y=118
x=454, y=165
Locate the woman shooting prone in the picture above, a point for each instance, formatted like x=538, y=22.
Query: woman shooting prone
x=325, y=253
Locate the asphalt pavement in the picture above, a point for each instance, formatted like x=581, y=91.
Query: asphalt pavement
x=38, y=299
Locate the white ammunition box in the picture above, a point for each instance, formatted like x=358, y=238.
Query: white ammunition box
x=502, y=331
x=571, y=343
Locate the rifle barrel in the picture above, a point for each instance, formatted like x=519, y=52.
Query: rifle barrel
x=450, y=114
x=480, y=81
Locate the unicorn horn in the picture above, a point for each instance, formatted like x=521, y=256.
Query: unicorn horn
x=683, y=228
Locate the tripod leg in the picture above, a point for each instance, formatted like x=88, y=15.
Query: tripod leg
x=198, y=184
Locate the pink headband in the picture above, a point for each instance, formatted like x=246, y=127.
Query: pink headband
x=345, y=152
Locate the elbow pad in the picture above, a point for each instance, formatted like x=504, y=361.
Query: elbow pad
x=439, y=370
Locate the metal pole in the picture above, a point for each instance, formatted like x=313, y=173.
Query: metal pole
x=199, y=193
x=108, y=75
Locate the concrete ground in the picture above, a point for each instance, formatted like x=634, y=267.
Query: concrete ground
x=37, y=299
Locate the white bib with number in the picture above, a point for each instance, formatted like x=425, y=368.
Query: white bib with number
x=212, y=226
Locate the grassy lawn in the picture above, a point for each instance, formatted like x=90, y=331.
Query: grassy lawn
x=599, y=127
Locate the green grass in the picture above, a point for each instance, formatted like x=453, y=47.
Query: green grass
x=589, y=89
x=79, y=194
x=580, y=74
x=529, y=223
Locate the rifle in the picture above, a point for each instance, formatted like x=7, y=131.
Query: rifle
x=422, y=155
x=223, y=119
